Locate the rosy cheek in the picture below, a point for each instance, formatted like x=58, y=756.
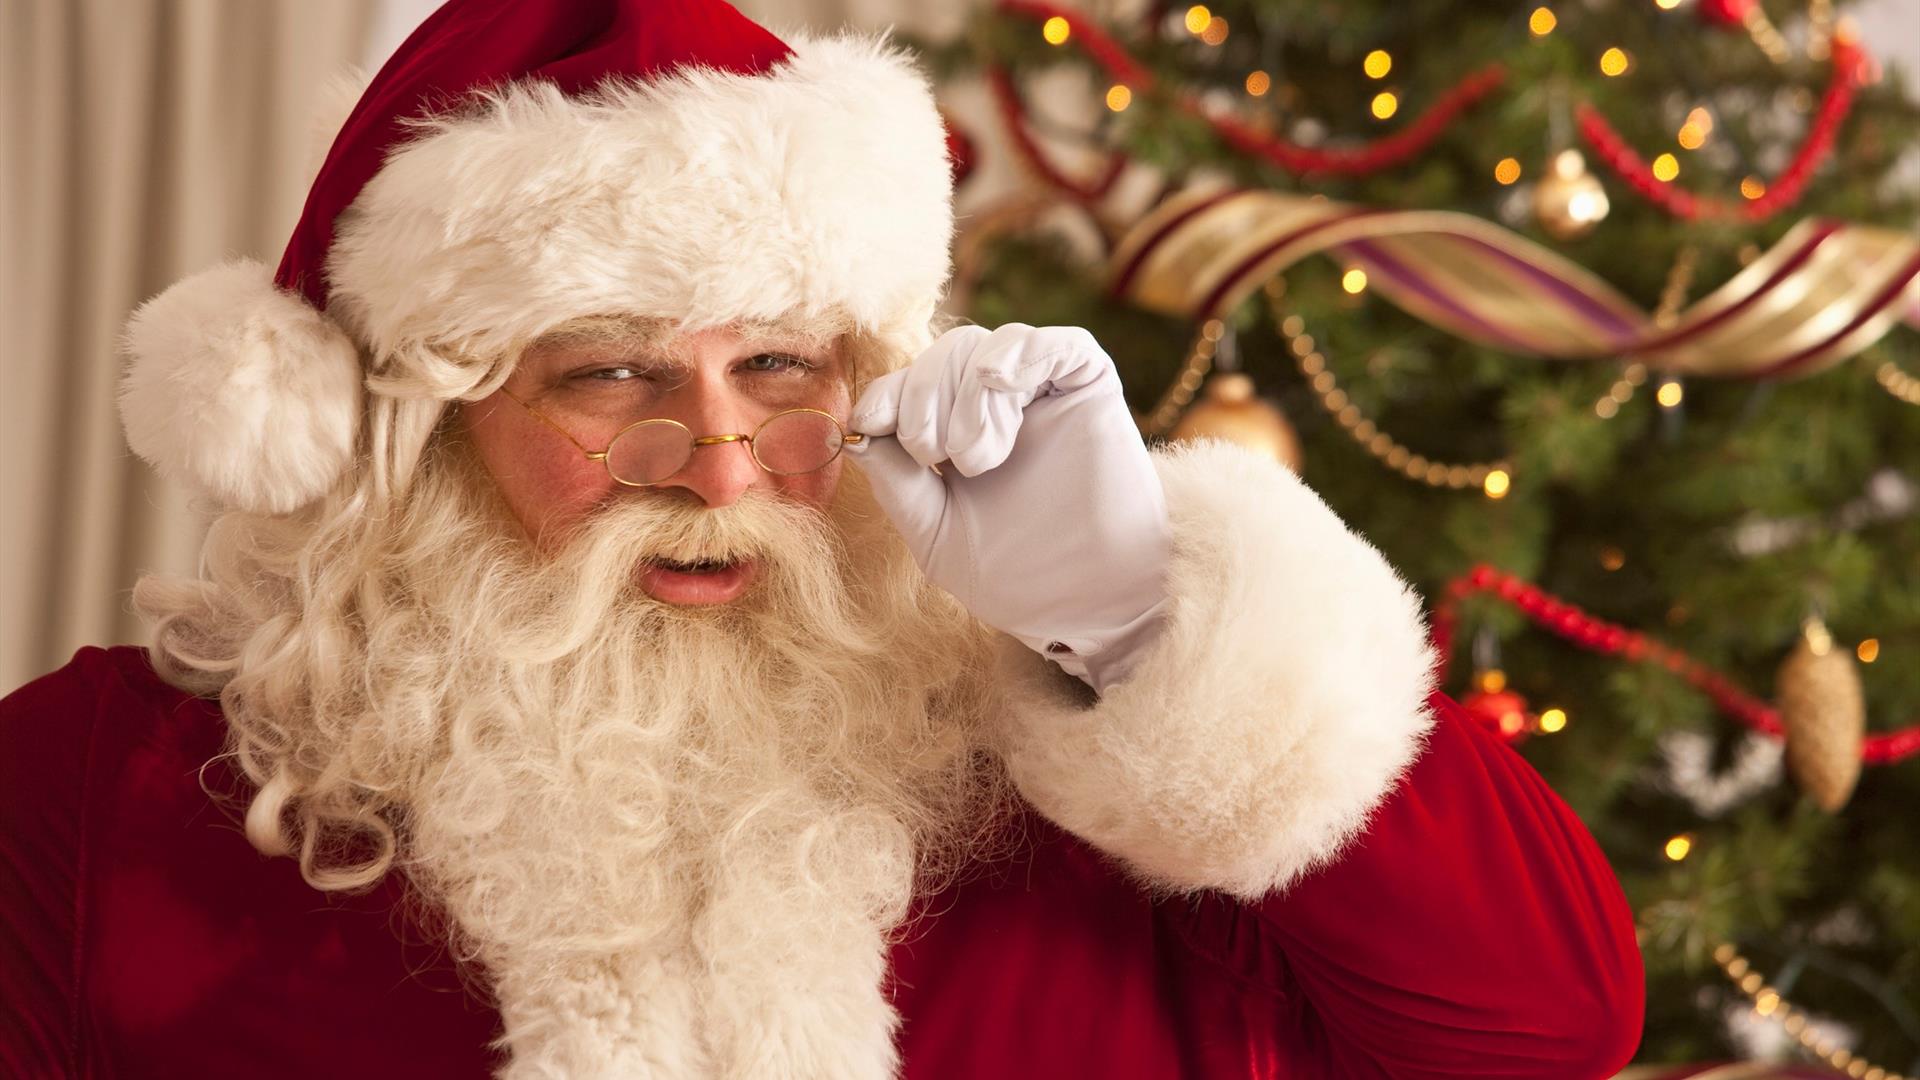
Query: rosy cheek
x=814, y=488
x=546, y=482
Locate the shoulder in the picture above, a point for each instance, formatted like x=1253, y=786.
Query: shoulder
x=120, y=674
x=83, y=729
x=50, y=729
x=71, y=730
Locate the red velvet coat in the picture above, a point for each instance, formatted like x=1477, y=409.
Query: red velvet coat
x=1475, y=930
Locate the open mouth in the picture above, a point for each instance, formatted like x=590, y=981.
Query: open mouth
x=703, y=566
x=698, y=581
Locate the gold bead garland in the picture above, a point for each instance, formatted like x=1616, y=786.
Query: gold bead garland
x=1769, y=1003
x=1193, y=372
x=1672, y=297
x=1819, y=30
x=1897, y=382
x=1391, y=453
x=1765, y=34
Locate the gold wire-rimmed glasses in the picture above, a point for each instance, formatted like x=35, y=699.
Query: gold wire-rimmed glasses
x=649, y=452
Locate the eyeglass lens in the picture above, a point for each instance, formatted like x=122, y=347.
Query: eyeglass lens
x=788, y=444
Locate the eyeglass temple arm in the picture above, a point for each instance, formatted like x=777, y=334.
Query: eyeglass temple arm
x=592, y=455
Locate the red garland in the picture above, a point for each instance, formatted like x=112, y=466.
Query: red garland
x=1007, y=96
x=1365, y=159
x=1373, y=157
x=1786, y=189
x=1597, y=635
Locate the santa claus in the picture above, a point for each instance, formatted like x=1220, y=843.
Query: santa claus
x=633, y=644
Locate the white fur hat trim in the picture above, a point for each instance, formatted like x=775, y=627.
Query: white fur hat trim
x=241, y=390
x=821, y=186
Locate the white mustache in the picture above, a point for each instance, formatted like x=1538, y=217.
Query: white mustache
x=668, y=528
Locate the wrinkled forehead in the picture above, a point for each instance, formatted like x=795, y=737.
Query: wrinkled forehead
x=668, y=343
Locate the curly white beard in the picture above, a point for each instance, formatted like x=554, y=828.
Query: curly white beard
x=675, y=838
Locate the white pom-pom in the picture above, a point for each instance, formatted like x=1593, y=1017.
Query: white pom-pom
x=241, y=389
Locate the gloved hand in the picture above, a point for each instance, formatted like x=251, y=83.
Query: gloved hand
x=1046, y=519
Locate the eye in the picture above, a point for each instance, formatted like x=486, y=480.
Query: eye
x=777, y=363
x=609, y=374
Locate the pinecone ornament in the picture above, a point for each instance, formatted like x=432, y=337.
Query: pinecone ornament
x=1824, y=712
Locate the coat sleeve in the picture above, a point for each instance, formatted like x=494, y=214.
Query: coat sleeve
x=1282, y=742
x=1474, y=930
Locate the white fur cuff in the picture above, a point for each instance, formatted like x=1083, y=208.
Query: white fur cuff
x=1284, y=699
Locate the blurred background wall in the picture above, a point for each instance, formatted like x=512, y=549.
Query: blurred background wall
x=146, y=139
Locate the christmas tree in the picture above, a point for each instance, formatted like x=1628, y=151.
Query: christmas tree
x=1588, y=316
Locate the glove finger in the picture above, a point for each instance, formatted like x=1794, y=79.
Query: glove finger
x=983, y=427
x=1051, y=359
x=927, y=395
x=913, y=497
x=878, y=412
x=984, y=421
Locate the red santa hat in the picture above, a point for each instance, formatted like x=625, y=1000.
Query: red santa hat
x=520, y=163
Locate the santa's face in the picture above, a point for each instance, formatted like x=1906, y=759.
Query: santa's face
x=575, y=391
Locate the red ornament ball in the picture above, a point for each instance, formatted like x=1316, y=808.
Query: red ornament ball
x=1502, y=712
x=1725, y=12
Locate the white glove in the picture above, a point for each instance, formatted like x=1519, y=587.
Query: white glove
x=1059, y=537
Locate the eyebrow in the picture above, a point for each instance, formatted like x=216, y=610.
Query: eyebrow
x=650, y=339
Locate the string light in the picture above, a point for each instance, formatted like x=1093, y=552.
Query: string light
x=1753, y=187
x=1354, y=281
x=1542, y=22
x=1868, y=651
x=1259, y=83
x=1492, y=681
x=1497, y=484
x=1377, y=64
x=1216, y=31
x=1701, y=119
x=1553, y=720
x=1119, y=97
x=1613, y=62
x=1691, y=136
x=1612, y=558
x=1507, y=171
x=1056, y=30
x=1385, y=104
x=1666, y=5
x=1197, y=19
x=1666, y=167
x=1678, y=847
x=1669, y=395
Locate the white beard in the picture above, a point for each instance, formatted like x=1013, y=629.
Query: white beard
x=677, y=838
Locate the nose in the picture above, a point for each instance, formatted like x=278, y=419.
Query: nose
x=719, y=473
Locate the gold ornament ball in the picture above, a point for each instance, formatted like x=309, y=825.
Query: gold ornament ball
x=1569, y=200
x=1231, y=410
x=1824, y=712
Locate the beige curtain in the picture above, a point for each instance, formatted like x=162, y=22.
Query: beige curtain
x=142, y=140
